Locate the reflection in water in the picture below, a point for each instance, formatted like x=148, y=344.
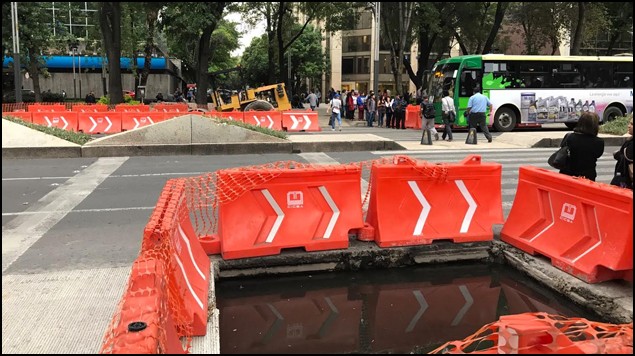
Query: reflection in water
x=388, y=311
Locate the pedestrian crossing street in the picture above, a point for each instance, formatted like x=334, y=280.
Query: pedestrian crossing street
x=511, y=161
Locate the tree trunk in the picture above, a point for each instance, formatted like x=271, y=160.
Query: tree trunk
x=282, y=64
x=151, y=21
x=202, y=62
x=577, y=37
x=34, y=72
x=110, y=24
x=501, y=8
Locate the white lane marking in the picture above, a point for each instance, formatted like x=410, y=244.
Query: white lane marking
x=41, y=212
x=465, y=226
x=22, y=232
x=336, y=212
x=468, y=303
x=425, y=208
x=279, y=212
x=113, y=176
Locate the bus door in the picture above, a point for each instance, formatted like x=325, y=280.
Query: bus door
x=470, y=79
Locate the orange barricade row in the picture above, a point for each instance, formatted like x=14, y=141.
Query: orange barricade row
x=300, y=121
x=46, y=108
x=132, y=108
x=586, y=228
x=65, y=120
x=415, y=202
x=90, y=108
x=143, y=324
x=268, y=119
x=227, y=115
x=310, y=207
x=413, y=117
x=99, y=122
x=172, y=114
x=26, y=116
x=135, y=120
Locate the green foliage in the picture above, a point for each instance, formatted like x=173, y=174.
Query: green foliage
x=127, y=100
x=264, y=130
x=79, y=138
x=619, y=126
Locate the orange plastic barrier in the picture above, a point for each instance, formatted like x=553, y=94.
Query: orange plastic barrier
x=415, y=202
x=300, y=121
x=46, y=108
x=413, y=116
x=171, y=107
x=542, y=333
x=172, y=114
x=142, y=323
x=26, y=116
x=283, y=324
x=132, y=108
x=227, y=115
x=268, y=119
x=305, y=206
x=99, y=122
x=65, y=120
x=586, y=228
x=90, y=108
x=134, y=120
x=173, y=232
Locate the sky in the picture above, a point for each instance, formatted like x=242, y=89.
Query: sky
x=248, y=32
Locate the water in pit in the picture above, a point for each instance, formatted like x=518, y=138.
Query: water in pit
x=411, y=309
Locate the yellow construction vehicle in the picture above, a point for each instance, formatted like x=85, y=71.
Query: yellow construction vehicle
x=265, y=98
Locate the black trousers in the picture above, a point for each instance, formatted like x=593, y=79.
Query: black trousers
x=478, y=119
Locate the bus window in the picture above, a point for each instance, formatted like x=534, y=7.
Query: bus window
x=469, y=79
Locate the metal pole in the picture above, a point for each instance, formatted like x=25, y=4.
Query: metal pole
x=289, y=71
x=79, y=57
x=74, y=77
x=17, y=77
x=377, y=41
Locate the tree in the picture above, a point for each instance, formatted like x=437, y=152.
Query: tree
x=399, y=36
x=110, y=24
x=36, y=36
x=620, y=18
x=576, y=41
x=189, y=27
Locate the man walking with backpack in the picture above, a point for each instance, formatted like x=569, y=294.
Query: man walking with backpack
x=428, y=115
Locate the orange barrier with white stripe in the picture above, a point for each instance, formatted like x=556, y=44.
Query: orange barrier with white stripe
x=303, y=206
x=132, y=108
x=26, y=116
x=99, y=122
x=65, y=120
x=586, y=228
x=297, y=121
x=135, y=120
x=414, y=202
x=227, y=115
x=46, y=108
x=413, y=117
x=171, y=107
x=90, y=108
x=268, y=119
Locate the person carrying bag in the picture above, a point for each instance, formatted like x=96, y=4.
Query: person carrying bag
x=560, y=158
x=623, y=174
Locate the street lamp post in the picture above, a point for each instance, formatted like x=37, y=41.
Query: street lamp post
x=376, y=54
x=17, y=78
x=79, y=64
x=74, y=48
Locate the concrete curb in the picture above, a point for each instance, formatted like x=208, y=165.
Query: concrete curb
x=555, y=142
x=42, y=152
x=197, y=149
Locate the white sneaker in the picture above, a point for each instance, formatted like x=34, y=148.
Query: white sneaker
x=332, y=129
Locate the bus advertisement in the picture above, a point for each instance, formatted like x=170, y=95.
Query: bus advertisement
x=534, y=90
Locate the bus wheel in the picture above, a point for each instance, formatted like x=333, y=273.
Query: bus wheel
x=504, y=120
x=611, y=113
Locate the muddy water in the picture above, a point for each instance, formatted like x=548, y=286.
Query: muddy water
x=412, y=309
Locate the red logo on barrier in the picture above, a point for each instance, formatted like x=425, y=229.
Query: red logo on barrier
x=568, y=212
x=295, y=199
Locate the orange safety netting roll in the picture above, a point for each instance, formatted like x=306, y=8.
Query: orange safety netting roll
x=542, y=333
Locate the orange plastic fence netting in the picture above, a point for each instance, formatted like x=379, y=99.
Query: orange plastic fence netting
x=542, y=333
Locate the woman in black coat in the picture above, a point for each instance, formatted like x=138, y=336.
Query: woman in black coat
x=585, y=147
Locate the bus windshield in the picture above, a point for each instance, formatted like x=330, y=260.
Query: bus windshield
x=443, y=78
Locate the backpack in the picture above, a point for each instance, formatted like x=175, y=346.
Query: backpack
x=397, y=105
x=428, y=111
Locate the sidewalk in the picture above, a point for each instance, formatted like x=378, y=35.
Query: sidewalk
x=191, y=134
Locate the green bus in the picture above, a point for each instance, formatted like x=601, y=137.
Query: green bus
x=530, y=90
